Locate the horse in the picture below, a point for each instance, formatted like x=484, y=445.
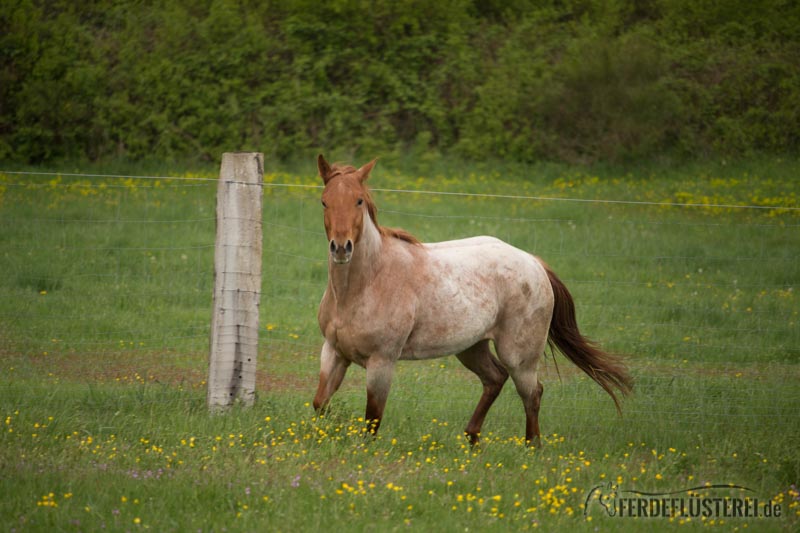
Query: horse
x=390, y=297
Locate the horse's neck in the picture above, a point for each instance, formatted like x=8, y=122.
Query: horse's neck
x=347, y=281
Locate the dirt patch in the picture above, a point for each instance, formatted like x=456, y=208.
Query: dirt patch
x=178, y=370
x=190, y=370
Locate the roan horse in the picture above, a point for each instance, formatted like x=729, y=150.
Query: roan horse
x=390, y=297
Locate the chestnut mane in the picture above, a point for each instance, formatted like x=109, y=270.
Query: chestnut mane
x=338, y=169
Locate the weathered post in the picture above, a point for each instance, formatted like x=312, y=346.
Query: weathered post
x=237, y=281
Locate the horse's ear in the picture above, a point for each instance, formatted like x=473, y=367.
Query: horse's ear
x=324, y=168
x=363, y=172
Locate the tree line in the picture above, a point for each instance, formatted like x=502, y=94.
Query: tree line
x=522, y=80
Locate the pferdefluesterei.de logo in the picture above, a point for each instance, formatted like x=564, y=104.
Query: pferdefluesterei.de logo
x=706, y=501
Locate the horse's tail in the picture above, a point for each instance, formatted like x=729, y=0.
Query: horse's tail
x=608, y=370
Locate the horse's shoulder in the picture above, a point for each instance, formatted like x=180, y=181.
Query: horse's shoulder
x=325, y=308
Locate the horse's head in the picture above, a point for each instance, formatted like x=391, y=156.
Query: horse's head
x=345, y=200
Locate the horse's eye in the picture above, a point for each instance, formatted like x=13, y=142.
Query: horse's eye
x=360, y=202
x=324, y=205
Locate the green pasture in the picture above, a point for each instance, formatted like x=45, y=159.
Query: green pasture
x=105, y=301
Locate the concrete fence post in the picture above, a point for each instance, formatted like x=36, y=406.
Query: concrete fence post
x=237, y=281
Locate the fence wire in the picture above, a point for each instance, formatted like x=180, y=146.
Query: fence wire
x=109, y=279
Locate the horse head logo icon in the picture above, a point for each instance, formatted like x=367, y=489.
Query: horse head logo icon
x=605, y=494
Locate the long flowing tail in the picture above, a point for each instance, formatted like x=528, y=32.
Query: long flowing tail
x=609, y=371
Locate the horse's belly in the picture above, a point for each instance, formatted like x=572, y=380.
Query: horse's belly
x=439, y=347
x=451, y=323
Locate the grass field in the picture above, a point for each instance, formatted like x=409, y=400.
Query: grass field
x=105, y=301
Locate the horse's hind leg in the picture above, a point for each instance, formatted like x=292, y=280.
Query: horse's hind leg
x=529, y=388
x=480, y=360
x=522, y=367
x=532, y=433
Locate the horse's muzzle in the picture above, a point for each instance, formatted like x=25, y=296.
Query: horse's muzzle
x=341, y=254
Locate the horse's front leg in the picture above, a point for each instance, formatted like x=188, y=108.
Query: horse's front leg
x=379, y=380
x=332, y=369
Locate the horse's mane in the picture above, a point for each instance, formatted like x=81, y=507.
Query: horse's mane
x=338, y=169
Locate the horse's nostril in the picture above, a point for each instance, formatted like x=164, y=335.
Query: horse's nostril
x=337, y=249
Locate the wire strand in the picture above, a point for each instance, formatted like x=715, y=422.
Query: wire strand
x=426, y=192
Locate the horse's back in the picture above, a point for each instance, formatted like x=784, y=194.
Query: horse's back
x=465, y=243
x=486, y=255
x=472, y=287
x=514, y=278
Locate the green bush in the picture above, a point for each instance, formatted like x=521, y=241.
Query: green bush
x=525, y=80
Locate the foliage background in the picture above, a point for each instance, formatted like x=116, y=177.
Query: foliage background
x=523, y=80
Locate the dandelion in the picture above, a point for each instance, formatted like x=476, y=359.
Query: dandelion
x=48, y=500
